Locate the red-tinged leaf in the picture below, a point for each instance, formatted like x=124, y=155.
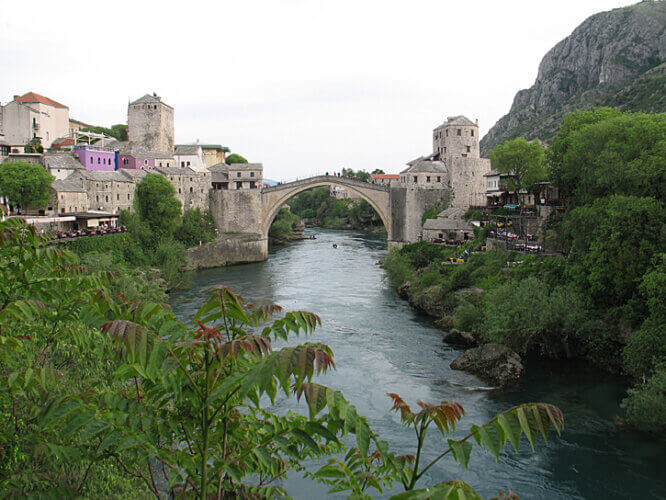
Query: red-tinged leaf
x=406, y=414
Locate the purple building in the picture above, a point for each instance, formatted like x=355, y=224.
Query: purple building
x=95, y=157
x=144, y=160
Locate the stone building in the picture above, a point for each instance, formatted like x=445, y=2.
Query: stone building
x=214, y=154
x=386, y=179
x=448, y=226
x=68, y=196
x=61, y=164
x=150, y=124
x=426, y=172
x=246, y=175
x=191, y=187
x=190, y=156
x=456, y=142
x=33, y=116
x=107, y=191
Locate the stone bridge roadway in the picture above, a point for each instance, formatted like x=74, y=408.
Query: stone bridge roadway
x=273, y=197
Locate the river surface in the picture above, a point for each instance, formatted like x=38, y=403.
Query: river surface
x=382, y=345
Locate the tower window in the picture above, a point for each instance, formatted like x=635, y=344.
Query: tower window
x=439, y=179
x=428, y=179
x=415, y=178
x=447, y=132
x=459, y=132
x=469, y=149
x=472, y=132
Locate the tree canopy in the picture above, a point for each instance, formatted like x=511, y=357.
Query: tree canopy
x=118, y=131
x=524, y=160
x=603, y=151
x=24, y=184
x=157, y=206
x=235, y=158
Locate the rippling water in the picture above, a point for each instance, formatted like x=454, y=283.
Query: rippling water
x=381, y=345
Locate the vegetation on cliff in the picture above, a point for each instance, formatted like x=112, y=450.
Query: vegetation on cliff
x=25, y=184
x=111, y=397
x=613, y=58
x=286, y=227
x=604, y=300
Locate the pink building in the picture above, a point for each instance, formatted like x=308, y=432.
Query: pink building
x=95, y=157
x=144, y=160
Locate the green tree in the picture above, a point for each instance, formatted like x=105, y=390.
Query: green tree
x=118, y=131
x=156, y=205
x=34, y=146
x=378, y=171
x=525, y=161
x=196, y=227
x=235, y=158
x=25, y=184
x=602, y=152
x=612, y=243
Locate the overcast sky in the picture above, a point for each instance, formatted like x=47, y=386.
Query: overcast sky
x=303, y=86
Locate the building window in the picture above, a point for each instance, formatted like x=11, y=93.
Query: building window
x=439, y=179
x=145, y=162
x=472, y=132
x=469, y=150
x=251, y=174
x=160, y=164
x=238, y=174
x=91, y=159
x=428, y=178
x=444, y=149
x=107, y=198
x=239, y=185
x=191, y=190
x=182, y=164
x=447, y=132
x=188, y=163
x=415, y=178
x=128, y=196
x=179, y=191
x=97, y=198
x=459, y=132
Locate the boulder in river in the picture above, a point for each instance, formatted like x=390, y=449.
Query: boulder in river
x=456, y=337
x=493, y=362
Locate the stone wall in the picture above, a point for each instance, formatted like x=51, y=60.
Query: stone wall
x=468, y=182
x=238, y=210
x=407, y=207
x=228, y=249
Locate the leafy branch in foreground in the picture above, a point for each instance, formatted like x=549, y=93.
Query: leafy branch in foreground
x=529, y=419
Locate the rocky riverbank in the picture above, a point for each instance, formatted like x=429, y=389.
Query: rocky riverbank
x=226, y=250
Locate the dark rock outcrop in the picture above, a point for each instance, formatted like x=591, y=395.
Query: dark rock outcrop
x=456, y=337
x=606, y=53
x=495, y=363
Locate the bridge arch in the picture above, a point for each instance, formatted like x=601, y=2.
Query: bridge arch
x=274, y=197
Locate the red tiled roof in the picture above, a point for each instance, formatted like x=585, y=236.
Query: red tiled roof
x=62, y=142
x=32, y=97
x=385, y=176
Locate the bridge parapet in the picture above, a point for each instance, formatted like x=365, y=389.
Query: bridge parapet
x=332, y=179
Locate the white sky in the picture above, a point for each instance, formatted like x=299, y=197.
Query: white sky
x=302, y=86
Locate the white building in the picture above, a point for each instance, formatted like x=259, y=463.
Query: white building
x=190, y=156
x=33, y=116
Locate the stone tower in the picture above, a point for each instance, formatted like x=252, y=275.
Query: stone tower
x=457, y=137
x=456, y=142
x=150, y=124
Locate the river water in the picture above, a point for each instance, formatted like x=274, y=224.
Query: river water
x=382, y=345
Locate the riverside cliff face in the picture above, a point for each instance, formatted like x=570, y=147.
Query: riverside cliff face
x=608, y=52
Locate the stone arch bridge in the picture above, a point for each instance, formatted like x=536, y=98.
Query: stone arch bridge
x=251, y=211
x=274, y=197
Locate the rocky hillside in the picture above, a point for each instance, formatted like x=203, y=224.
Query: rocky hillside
x=614, y=58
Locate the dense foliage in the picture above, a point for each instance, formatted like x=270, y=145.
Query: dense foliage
x=111, y=397
x=283, y=228
x=235, y=158
x=525, y=161
x=604, y=299
x=196, y=227
x=25, y=184
x=324, y=210
x=118, y=132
